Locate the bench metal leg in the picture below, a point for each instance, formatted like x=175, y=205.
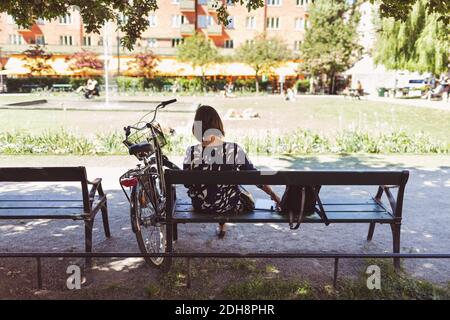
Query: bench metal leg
x=371, y=231
x=175, y=231
x=88, y=226
x=105, y=220
x=396, y=227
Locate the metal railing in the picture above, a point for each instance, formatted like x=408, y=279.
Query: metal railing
x=223, y=255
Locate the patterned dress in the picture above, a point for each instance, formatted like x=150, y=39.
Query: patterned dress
x=216, y=198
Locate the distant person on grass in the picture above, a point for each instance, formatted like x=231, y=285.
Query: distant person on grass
x=213, y=153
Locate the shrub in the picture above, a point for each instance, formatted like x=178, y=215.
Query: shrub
x=130, y=84
x=302, y=85
x=16, y=84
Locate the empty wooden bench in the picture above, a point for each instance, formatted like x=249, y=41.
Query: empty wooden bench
x=40, y=206
x=369, y=210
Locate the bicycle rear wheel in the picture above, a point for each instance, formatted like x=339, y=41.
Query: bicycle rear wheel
x=150, y=234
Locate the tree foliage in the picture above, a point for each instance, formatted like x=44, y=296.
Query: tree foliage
x=96, y=12
x=400, y=9
x=85, y=62
x=419, y=43
x=263, y=54
x=200, y=52
x=143, y=64
x=331, y=42
x=38, y=61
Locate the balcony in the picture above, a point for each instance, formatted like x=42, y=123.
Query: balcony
x=187, y=29
x=214, y=30
x=187, y=5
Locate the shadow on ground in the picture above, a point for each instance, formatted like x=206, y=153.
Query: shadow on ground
x=424, y=230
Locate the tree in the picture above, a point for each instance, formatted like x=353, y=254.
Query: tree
x=96, y=12
x=263, y=54
x=85, y=63
x=143, y=64
x=200, y=52
x=419, y=43
x=331, y=42
x=38, y=61
x=400, y=9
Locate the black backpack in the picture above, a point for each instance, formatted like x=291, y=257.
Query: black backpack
x=300, y=201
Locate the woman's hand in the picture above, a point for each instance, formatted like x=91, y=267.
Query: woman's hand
x=275, y=198
x=267, y=189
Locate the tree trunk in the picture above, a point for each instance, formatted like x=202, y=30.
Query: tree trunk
x=256, y=82
x=312, y=89
x=332, y=83
x=203, y=82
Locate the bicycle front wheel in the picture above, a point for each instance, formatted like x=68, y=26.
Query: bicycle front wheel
x=150, y=234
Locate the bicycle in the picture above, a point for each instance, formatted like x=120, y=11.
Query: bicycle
x=147, y=194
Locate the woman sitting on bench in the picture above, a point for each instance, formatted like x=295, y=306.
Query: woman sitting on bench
x=213, y=153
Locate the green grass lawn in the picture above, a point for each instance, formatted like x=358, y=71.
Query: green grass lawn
x=323, y=115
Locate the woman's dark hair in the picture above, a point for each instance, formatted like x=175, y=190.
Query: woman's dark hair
x=209, y=119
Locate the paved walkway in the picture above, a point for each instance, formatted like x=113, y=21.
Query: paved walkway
x=425, y=227
x=188, y=103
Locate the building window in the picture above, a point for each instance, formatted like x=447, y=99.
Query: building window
x=153, y=21
x=304, y=3
x=299, y=24
x=230, y=24
x=274, y=2
x=176, y=42
x=178, y=20
x=250, y=23
x=229, y=44
x=297, y=45
x=16, y=39
x=100, y=41
x=87, y=41
x=175, y=1
x=250, y=42
x=210, y=21
x=152, y=43
x=202, y=21
x=40, y=39
x=66, y=40
x=66, y=19
x=273, y=23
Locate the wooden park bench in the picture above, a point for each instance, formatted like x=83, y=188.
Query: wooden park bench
x=61, y=87
x=369, y=210
x=31, y=88
x=42, y=207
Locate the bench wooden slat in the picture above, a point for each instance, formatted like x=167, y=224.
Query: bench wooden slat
x=43, y=174
x=39, y=200
x=37, y=216
x=267, y=216
x=288, y=177
x=39, y=208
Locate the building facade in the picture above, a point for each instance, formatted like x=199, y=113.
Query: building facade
x=168, y=26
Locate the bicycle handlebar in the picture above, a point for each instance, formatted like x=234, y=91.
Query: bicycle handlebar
x=161, y=105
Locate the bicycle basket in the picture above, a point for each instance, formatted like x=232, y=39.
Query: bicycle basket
x=146, y=136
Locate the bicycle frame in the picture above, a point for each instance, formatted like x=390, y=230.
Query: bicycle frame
x=153, y=160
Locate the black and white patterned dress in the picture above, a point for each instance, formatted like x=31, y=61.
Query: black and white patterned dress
x=225, y=157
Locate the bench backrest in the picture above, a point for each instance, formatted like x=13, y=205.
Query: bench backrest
x=48, y=174
x=312, y=178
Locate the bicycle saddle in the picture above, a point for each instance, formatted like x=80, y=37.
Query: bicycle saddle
x=140, y=148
